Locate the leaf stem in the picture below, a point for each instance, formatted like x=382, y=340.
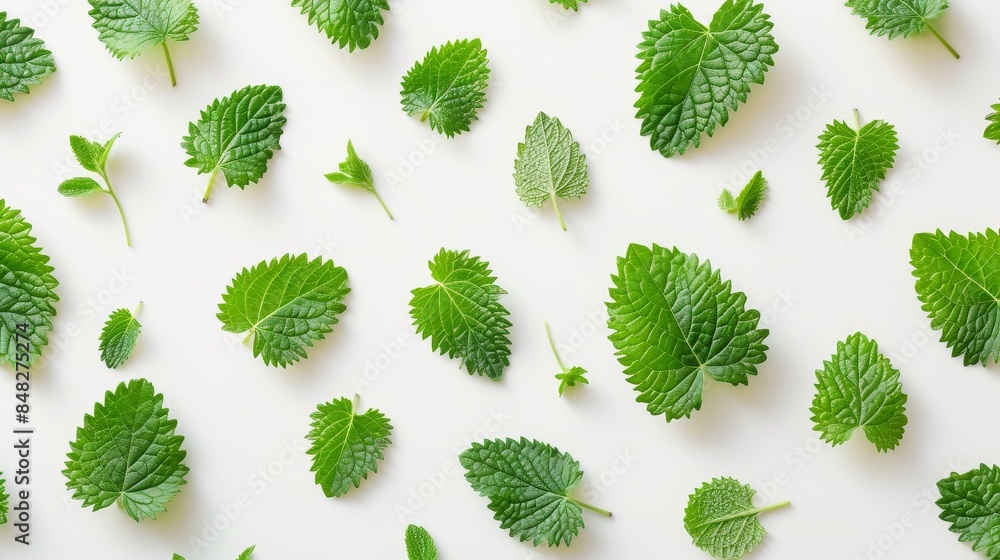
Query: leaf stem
x=247, y=337
x=170, y=64
x=750, y=512
x=555, y=205
x=944, y=42
x=137, y=308
x=552, y=345
x=211, y=183
x=382, y=202
x=857, y=120
x=355, y=402
x=594, y=509
x=118, y=204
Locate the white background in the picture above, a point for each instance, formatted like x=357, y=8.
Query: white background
x=815, y=278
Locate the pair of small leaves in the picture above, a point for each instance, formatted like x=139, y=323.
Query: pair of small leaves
x=27, y=296
x=284, y=305
x=419, y=544
x=859, y=388
x=549, y=165
x=119, y=335
x=745, y=204
x=893, y=18
x=528, y=484
x=93, y=157
x=722, y=520
x=676, y=322
x=349, y=23
x=569, y=376
x=127, y=452
x=128, y=27
x=447, y=88
x=355, y=171
x=855, y=160
x=970, y=501
x=236, y=135
x=346, y=445
x=245, y=555
x=691, y=76
x=462, y=315
x=958, y=283
x=24, y=60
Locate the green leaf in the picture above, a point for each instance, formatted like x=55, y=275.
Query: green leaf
x=855, y=160
x=722, y=520
x=462, y=315
x=746, y=204
x=245, y=555
x=528, y=484
x=128, y=27
x=447, y=88
x=5, y=506
x=88, y=153
x=346, y=445
x=569, y=376
x=901, y=17
x=355, y=172
x=692, y=76
x=284, y=305
x=27, y=297
x=993, y=129
x=569, y=4
x=419, y=544
x=127, y=452
x=971, y=503
x=237, y=135
x=24, y=61
x=350, y=23
x=118, y=336
x=79, y=186
x=958, y=282
x=549, y=165
x=859, y=388
x=676, y=322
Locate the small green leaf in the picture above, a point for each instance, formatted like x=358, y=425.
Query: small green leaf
x=448, y=88
x=355, y=172
x=79, y=186
x=4, y=505
x=24, y=60
x=855, y=160
x=748, y=202
x=90, y=154
x=569, y=376
x=93, y=156
x=349, y=23
x=722, y=520
x=893, y=18
x=347, y=446
x=119, y=336
x=993, y=129
x=970, y=502
x=419, y=544
x=549, y=165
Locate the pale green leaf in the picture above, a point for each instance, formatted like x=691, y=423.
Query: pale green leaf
x=746, y=204
x=893, y=18
x=722, y=520
x=355, y=172
x=79, y=186
x=549, y=165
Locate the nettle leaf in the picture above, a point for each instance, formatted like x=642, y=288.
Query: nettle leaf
x=692, y=76
x=27, y=296
x=349, y=23
x=284, y=305
x=676, y=322
x=118, y=336
x=24, y=60
x=992, y=131
x=528, y=484
x=4, y=504
x=859, y=388
x=448, y=88
x=722, y=520
x=855, y=160
x=128, y=27
x=355, y=172
x=245, y=555
x=462, y=315
x=127, y=452
x=893, y=18
x=549, y=165
x=569, y=4
x=958, y=282
x=419, y=544
x=346, y=445
x=237, y=135
x=746, y=204
x=971, y=503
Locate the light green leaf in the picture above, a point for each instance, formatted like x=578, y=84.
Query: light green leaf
x=970, y=502
x=859, y=388
x=27, y=297
x=284, y=305
x=692, y=76
x=24, y=60
x=549, y=165
x=855, y=160
x=128, y=27
x=93, y=156
x=722, y=520
x=419, y=544
x=528, y=484
x=462, y=315
x=87, y=152
x=237, y=135
x=79, y=186
x=447, y=88
x=119, y=336
x=350, y=23
x=676, y=322
x=355, y=171
x=958, y=282
x=901, y=17
x=993, y=129
x=746, y=204
x=569, y=4
x=569, y=376
x=4, y=504
x=127, y=452
x=346, y=446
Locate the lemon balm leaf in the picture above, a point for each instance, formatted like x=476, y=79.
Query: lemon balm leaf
x=419, y=544
x=119, y=335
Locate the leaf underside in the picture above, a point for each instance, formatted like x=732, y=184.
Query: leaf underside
x=128, y=27
x=448, y=87
x=549, y=164
x=897, y=17
x=24, y=60
x=721, y=518
x=346, y=446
